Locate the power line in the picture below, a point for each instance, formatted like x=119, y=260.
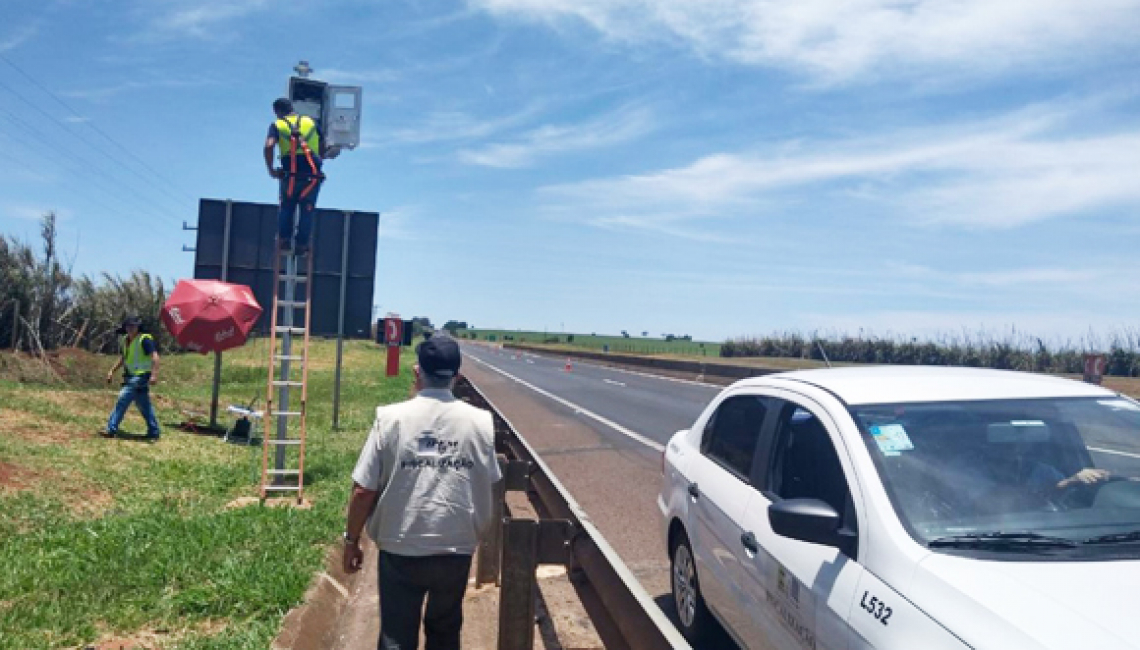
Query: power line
x=65, y=161
x=70, y=158
x=20, y=137
x=68, y=130
x=94, y=127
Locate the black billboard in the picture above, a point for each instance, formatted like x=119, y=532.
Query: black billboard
x=253, y=236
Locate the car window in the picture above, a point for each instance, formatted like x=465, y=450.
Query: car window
x=732, y=433
x=1060, y=467
x=805, y=464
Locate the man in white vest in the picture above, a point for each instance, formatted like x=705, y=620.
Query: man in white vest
x=424, y=485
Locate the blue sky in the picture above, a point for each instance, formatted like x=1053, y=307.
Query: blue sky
x=714, y=167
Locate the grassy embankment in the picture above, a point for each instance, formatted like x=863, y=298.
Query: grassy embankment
x=122, y=540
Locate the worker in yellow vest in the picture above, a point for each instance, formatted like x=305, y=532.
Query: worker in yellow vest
x=301, y=149
x=139, y=362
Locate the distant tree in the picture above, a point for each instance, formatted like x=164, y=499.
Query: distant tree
x=669, y=338
x=421, y=324
x=625, y=334
x=454, y=326
x=645, y=334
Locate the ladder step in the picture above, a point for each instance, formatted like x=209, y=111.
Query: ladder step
x=281, y=488
x=275, y=413
x=291, y=384
x=296, y=304
x=282, y=329
x=271, y=441
x=283, y=472
x=287, y=357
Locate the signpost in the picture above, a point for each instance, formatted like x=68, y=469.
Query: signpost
x=393, y=337
x=1095, y=365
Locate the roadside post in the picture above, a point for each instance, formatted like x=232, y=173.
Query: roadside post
x=215, y=387
x=393, y=337
x=340, y=320
x=1095, y=365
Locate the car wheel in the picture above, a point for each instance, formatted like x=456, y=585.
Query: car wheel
x=693, y=615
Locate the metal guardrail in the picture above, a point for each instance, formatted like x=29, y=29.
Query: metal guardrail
x=627, y=615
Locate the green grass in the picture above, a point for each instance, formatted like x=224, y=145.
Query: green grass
x=633, y=344
x=105, y=539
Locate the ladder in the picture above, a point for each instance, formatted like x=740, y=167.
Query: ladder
x=288, y=377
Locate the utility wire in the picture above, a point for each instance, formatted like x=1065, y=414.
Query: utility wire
x=71, y=158
x=95, y=127
x=18, y=136
x=66, y=162
x=68, y=130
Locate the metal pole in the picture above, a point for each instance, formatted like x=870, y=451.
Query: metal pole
x=286, y=348
x=340, y=319
x=225, y=275
x=516, y=598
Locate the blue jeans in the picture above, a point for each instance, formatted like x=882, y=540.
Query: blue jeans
x=289, y=204
x=404, y=583
x=136, y=389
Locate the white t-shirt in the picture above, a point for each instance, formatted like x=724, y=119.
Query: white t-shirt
x=432, y=458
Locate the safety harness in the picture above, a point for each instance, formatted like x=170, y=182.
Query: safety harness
x=297, y=141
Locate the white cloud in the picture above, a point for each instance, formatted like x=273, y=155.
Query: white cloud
x=451, y=126
x=338, y=76
x=19, y=37
x=839, y=40
x=29, y=212
x=395, y=223
x=198, y=19
x=1051, y=276
x=999, y=173
x=619, y=126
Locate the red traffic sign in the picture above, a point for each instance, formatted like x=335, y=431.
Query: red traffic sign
x=1095, y=365
x=393, y=331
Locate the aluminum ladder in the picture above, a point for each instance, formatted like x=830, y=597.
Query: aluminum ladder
x=288, y=375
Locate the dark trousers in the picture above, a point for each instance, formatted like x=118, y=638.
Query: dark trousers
x=404, y=582
x=290, y=201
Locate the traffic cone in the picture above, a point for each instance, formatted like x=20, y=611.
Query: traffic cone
x=569, y=365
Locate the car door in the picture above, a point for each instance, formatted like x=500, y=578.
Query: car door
x=718, y=494
x=798, y=594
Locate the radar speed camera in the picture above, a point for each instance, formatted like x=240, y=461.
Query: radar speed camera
x=335, y=109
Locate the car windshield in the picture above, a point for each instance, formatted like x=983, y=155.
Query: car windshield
x=1011, y=472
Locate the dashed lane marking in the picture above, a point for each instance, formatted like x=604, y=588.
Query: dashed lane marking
x=615, y=383
x=632, y=435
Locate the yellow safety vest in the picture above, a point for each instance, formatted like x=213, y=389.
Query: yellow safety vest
x=135, y=361
x=307, y=128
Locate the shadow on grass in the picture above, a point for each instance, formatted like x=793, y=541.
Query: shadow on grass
x=129, y=437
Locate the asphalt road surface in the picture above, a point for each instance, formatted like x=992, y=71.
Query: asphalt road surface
x=602, y=430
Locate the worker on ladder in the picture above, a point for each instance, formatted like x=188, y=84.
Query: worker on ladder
x=301, y=150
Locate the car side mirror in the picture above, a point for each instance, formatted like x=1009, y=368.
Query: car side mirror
x=807, y=520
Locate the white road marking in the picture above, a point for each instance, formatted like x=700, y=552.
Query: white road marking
x=1114, y=452
x=615, y=383
x=633, y=435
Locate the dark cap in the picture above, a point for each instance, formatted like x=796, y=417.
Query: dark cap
x=132, y=320
x=439, y=356
x=282, y=106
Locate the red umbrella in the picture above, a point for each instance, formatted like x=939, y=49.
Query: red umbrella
x=210, y=316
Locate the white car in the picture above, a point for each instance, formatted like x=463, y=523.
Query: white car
x=908, y=508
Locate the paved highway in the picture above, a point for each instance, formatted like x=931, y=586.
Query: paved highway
x=649, y=407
